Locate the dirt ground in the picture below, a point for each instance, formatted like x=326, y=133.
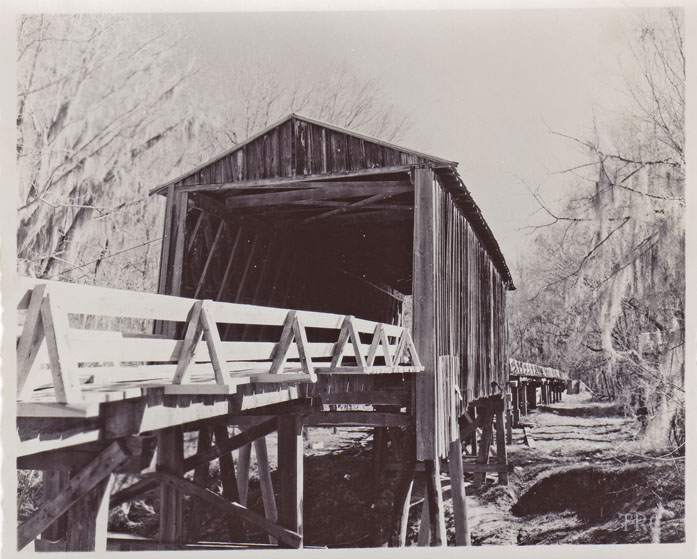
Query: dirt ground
x=583, y=480
x=580, y=479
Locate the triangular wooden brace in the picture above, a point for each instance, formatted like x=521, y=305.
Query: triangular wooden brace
x=30, y=342
x=292, y=330
x=194, y=330
x=348, y=331
x=215, y=347
x=281, y=352
x=379, y=337
x=406, y=343
x=303, y=347
x=63, y=367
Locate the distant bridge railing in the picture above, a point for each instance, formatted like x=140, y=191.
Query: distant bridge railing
x=522, y=369
x=59, y=365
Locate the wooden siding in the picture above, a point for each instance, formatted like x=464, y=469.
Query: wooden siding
x=470, y=315
x=300, y=148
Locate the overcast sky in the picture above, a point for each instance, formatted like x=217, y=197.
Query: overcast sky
x=481, y=87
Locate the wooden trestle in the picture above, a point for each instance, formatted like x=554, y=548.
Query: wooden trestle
x=525, y=379
x=93, y=402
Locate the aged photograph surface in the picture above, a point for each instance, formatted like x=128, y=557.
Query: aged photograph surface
x=348, y=280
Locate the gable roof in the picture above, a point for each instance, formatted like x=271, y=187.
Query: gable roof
x=273, y=153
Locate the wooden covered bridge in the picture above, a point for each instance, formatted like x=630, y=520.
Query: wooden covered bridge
x=309, y=276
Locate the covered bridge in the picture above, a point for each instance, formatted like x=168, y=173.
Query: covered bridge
x=271, y=248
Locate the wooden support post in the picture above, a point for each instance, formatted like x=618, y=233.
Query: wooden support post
x=267, y=493
x=243, y=459
x=424, y=313
x=501, y=456
x=473, y=439
x=229, y=480
x=379, y=451
x=53, y=484
x=182, y=201
x=516, y=405
x=509, y=417
x=457, y=485
x=88, y=518
x=405, y=484
x=435, y=503
x=170, y=457
x=424, y=537
x=290, y=473
x=485, y=443
x=201, y=475
x=524, y=397
x=160, y=326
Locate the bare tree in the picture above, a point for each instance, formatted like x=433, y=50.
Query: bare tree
x=107, y=109
x=98, y=112
x=606, y=296
x=262, y=93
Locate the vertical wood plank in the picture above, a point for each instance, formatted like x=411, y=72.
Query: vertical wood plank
x=290, y=473
x=201, y=476
x=424, y=537
x=501, y=457
x=457, y=485
x=524, y=396
x=379, y=452
x=424, y=313
x=229, y=480
x=405, y=484
x=88, y=518
x=435, y=503
x=485, y=443
x=243, y=460
x=53, y=484
x=170, y=456
x=166, y=242
x=509, y=415
x=179, y=243
x=267, y=494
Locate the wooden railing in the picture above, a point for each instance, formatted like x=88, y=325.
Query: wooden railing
x=60, y=364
